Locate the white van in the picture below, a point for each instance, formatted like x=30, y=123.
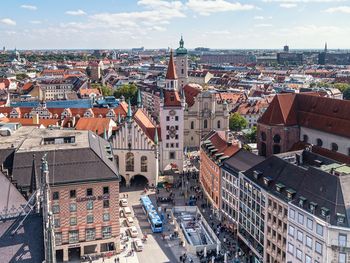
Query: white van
x=127, y=211
x=133, y=231
x=123, y=202
x=129, y=221
x=138, y=244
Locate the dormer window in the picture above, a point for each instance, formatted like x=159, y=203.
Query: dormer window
x=312, y=207
x=340, y=218
x=302, y=201
x=279, y=187
x=257, y=174
x=290, y=193
x=172, y=98
x=267, y=180
x=324, y=211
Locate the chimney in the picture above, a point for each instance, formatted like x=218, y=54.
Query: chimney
x=36, y=119
x=73, y=121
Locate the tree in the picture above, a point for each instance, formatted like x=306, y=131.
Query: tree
x=251, y=136
x=129, y=91
x=237, y=122
x=105, y=90
x=21, y=76
x=341, y=86
x=346, y=94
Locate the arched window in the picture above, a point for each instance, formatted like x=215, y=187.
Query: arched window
x=334, y=147
x=277, y=138
x=319, y=142
x=205, y=124
x=219, y=125
x=305, y=138
x=144, y=164
x=129, y=162
x=276, y=149
x=117, y=160
x=263, y=149
x=263, y=136
x=182, y=71
x=192, y=125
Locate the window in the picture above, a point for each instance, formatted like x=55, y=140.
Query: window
x=305, y=138
x=308, y=242
x=105, y=190
x=55, y=209
x=129, y=162
x=105, y=203
x=263, y=136
x=117, y=160
x=319, y=230
x=291, y=231
x=300, y=219
x=106, y=217
x=90, y=205
x=167, y=118
x=299, y=254
x=342, y=240
x=290, y=248
x=192, y=126
x=172, y=155
x=292, y=213
x=55, y=196
x=318, y=248
x=72, y=207
x=319, y=142
x=309, y=223
x=176, y=118
x=277, y=138
x=106, y=232
x=89, y=219
x=342, y=257
x=334, y=147
x=90, y=234
x=56, y=222
x=73, y=221
x=89, y=192
x=308, y=259
x=144, y=164
x=219, y=124
x=205, y=124
x=300, y=236
x=58, y=238
x=72, y=193
x=73, y=236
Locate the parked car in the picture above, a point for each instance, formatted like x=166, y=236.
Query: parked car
x=127, y=211
x=138, y=244
x=123, y=202
x=133, y=231
x=129, y=221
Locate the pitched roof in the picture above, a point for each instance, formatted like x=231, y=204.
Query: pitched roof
x=97, y=125
x=171, y=72
x=146, y=124
x=191, y=91
x=171, y=98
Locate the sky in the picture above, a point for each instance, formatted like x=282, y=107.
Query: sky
x=229, y=24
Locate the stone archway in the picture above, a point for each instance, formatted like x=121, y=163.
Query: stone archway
x=139, y=181
x=122, y=182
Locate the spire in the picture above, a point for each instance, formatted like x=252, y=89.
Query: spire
x=33, y=178
x=171, y=73
x=105, y=134
x=119, y=118
x=129, y=115
x=139, y=99
x=156, y=136
x=325, y=47
x=181, y=42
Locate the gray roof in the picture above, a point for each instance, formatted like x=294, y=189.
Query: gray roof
x=86, y=160
x=26, y=244
x=309, y=182
x=242, y=161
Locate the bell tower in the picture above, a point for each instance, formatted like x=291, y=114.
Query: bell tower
x=182, y=64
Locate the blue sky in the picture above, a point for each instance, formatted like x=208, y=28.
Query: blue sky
x=35, y=24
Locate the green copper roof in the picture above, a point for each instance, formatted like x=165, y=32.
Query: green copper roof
x=129, y=115
x=181, y=50
x=139, y=99
x=156, y=136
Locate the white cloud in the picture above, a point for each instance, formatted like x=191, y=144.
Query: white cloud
x=303, y=1
x=78, y=12
x=288, y=5
x=262, y=17
x=29, y=7
x=35, y=22
x=207, y=7
x=263, y=25
x=339, y=9
x=8, y=21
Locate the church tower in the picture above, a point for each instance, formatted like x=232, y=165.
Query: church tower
x=172, y=106
x=182, y=64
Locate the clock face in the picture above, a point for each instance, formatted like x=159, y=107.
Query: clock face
x=172, y=112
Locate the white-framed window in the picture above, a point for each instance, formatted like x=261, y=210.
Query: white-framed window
x=342, y=257
x=300, y=219
x=291, y=213
x=308, y=259
x=342, y=240
x=319, y=230
x=308, y=242
x=299, y=254
x=291, y=248
x=309, y=223
x=300, y=236
x=291, y=231
x=318, y=248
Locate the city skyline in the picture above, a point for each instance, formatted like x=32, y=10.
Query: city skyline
x=253, y=24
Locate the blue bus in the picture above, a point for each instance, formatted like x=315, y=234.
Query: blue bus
x=152, y=215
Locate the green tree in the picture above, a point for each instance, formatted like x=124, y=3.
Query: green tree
x=251, y=136
x=346, y=94
x=237, y=122
x=341, y=86
x=105, y=90
x=247, y=148
x=21, y=76
x=129, y=91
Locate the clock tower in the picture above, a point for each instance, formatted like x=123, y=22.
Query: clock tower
x=172, y=106
x=181, y=62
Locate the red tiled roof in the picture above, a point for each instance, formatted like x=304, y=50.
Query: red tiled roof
x=171, y=72
x=85, y=92
x=144, y=121
x=30, y=122
x=191, y=91
x=172, y=99
x=2, y=86
x=27, y=86
x=97, y=125
x=218, y=140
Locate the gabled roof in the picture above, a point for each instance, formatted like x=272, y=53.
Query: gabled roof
x=146, y=124
x=191, y=91
x=171, y=99
x=97, y=125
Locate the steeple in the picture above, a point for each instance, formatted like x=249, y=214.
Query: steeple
x=139, y=99
x=156, y=136
x=325, y=47
x=181, y=42
x=33, y=178
x=171, y=72
x=129, y=114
